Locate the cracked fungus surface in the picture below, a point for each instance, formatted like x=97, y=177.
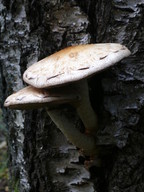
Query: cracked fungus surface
x=74, y=63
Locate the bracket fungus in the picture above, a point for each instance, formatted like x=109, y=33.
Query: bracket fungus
x=73, y=65
x=62, y=78
x=31, y=98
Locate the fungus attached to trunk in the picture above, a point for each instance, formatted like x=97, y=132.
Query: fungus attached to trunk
x=73, y=65
x=31, y=98
x=62, y=78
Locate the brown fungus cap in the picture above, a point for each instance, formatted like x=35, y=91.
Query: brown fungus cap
x=31, y=98
x=73, y=64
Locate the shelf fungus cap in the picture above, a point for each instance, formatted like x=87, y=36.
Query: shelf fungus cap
x=31, y=98
x=74, y=63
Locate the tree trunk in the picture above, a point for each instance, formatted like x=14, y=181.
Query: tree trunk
x=40, y=158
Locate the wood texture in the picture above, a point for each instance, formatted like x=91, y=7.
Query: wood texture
x=40, y=159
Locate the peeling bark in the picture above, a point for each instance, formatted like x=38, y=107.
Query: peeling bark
x=40, y=158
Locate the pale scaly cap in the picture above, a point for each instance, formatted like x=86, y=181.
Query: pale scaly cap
x=74, y=63
x=31, y=98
